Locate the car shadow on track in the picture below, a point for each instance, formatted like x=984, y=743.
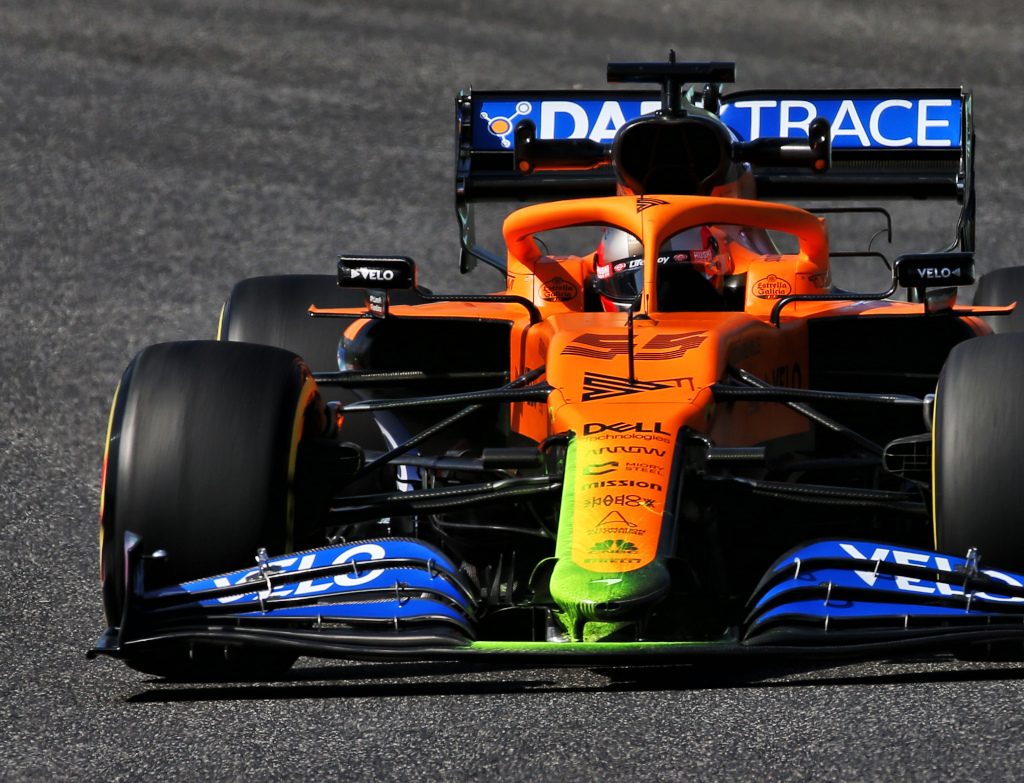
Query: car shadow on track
x=804, y=674
x=401, y=680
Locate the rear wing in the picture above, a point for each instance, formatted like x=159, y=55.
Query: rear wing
x=887, y=144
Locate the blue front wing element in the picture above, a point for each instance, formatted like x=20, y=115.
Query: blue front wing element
x=866, y=586
x=390, y=581
x=386, y=611
x=387, y=597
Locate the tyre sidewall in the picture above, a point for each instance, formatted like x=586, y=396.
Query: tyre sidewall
x=978, y=450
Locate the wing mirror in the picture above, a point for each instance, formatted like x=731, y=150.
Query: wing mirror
x=378, y=275
x=943, y=273
x=931, y=270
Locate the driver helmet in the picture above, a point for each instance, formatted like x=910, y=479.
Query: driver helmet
x=619, y=263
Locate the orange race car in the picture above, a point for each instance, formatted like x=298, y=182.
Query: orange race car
x=671, y=436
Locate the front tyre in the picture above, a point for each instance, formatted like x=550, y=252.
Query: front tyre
x=978, y=451
x=201, y=460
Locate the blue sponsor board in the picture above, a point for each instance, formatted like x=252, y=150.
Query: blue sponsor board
x=886, y=120
x=494, y=121
x=890, y=122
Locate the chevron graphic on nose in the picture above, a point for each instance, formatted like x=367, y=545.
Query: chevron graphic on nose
x=597, y=386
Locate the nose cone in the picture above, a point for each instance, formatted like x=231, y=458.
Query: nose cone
x=608, y=566
x=586, y=596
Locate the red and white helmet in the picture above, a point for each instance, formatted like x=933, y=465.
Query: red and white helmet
x=619, y=263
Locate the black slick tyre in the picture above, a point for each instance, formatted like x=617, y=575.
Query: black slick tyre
x=978, y=451
x=200, y=461
x=1002, y=287
x=273, y=310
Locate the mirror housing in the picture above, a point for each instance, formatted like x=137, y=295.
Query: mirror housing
x=378, y=275
x=387, y=272
x=934, y=270
x=940, y=272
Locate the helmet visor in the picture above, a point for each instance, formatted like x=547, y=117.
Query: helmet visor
x=622, y=280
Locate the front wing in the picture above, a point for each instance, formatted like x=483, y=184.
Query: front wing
x=404, y=599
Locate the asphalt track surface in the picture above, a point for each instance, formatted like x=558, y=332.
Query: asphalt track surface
x=153, y=153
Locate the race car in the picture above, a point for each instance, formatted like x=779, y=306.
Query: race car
x=670, y=437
